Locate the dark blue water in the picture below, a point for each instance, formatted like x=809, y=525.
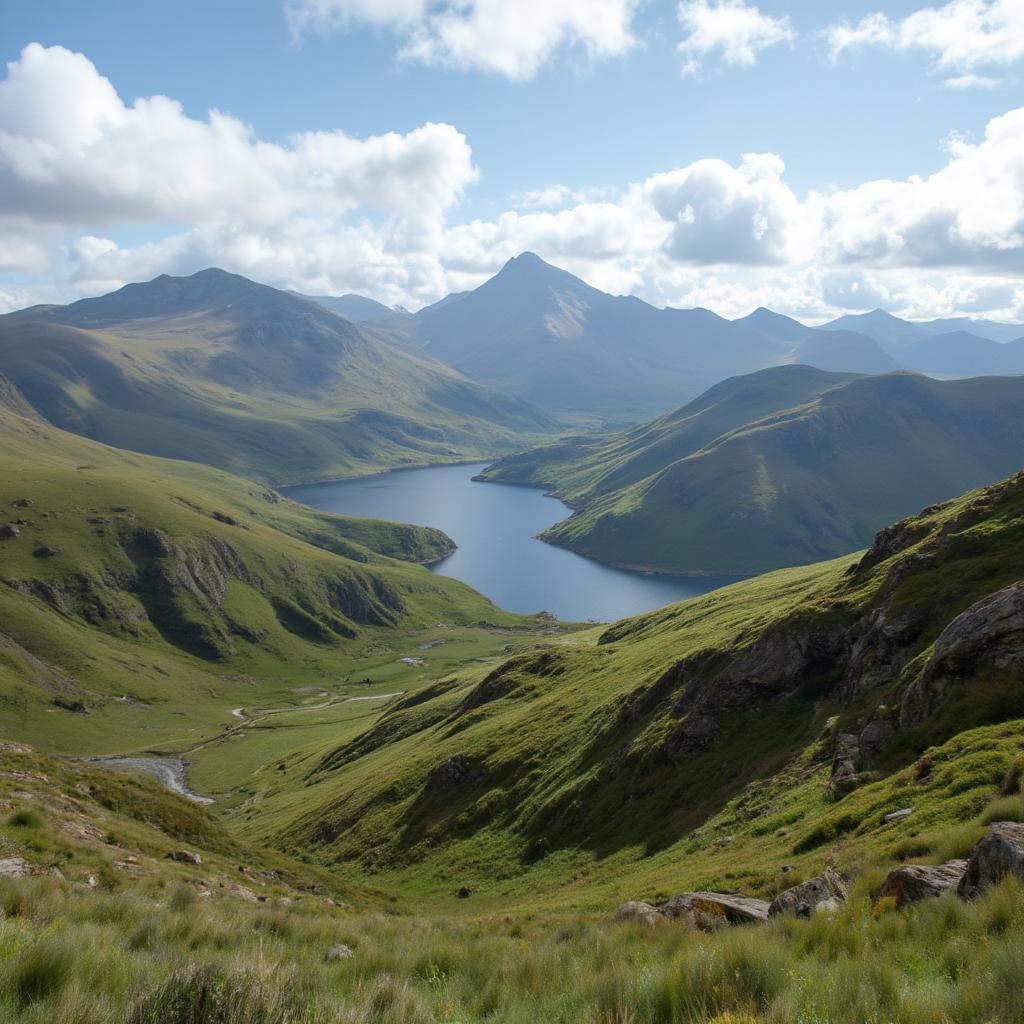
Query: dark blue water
x=494, y=526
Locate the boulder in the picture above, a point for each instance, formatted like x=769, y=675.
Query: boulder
x=453, y=772
x=998, y=854
x=826, y=892
x=990, y=632
x=339, y=952
x=14, y=867
x=901, y=815
x=185, y=857
x=639, y=912
x=8, y=531
x=912, y=882
x=706, y=911
x=845, y=763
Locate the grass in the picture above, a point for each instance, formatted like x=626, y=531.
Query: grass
x=803, y=465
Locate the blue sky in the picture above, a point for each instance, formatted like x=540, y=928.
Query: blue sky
x=598, y=114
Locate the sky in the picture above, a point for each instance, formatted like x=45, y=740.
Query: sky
x=813, y=157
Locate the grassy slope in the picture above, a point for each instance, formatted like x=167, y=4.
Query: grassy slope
x=161, y=594
x=219, y=370
x=575, y=774
x=111, y=932
x=800, y=465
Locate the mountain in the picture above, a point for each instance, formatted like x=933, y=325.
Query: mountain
x=356, y=308
x=959, y=354
x=843, y=351
x=992, y=330
x=714, y=744
x=888, y=330
x=218, y=369
x=808, y=471
x=775, y=325
x=545, y=336
x=189, y=590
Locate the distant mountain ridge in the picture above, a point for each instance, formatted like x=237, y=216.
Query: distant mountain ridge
x=544, y=335
x=219, y=369
x=777, y=468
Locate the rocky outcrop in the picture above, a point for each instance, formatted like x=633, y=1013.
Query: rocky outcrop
x=912, y=882
x=706, y=911
x=826, y=892
x=999, y=854
x=638, y=912
x=990, y=632
x=854, y=753
x=453, y=772
x=185, y=857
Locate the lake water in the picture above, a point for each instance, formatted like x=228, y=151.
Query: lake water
x=495, y=527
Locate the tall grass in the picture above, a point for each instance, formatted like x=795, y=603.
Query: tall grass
x=75, y=957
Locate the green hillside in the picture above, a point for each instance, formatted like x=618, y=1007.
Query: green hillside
x=782, y=467
x=693, y=748
x=217, y=369
x=142, y=599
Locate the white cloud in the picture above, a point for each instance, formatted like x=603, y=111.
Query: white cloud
x=327, y=213
x=71, y=151
x=735, y=29
x=961, y=35
x=508, y=38
x=971, y=81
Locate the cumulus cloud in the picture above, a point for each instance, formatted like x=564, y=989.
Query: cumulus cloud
x=512, y=39
x=734, y=29
x=72, y=152
x=961, y=35
x=327, y=213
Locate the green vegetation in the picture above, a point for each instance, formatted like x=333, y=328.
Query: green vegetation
x=217, y=369
x=786, y=466
x=144, y=599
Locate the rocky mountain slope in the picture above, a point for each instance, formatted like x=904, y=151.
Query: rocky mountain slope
x=800, y=465
x=217, y=369
x=708, y=743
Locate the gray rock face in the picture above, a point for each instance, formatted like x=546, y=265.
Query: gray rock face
x=912, y=882
x=845, y=763
x=185, y=857
x=639, y=912
x=706, y=911
x=990, y=632
x=901, y=815
x=14, y=867
x=455, y=770
x=998, y=854
x=826, y=892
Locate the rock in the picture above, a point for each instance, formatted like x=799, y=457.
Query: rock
x=901, y=815
x=912, y=882
x=339, y=952
x=826, y=892
x=709, y=910
x=21, y=503
x=464, y=892
x=8, y=531
x=14, y=867
x=845, y=762
x=639, y=912
x=45, y=551
x=873, y=739
x=999, y=853
x=185, y=857
x=455, y=770
x=990, y=632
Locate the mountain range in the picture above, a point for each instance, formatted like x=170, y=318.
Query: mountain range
x=780, y=467
x=217, y=369
x=544, y=335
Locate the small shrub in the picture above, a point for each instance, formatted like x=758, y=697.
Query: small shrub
x=1013, y=776
x=25, y=819
x=41, y=971
x=1007, y=808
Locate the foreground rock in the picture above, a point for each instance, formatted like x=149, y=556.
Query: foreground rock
x=998, y=854
x=639, y=912
x=826, y=892
x=14, y=867
x=709, y=910
x=339, y=952
x=912, y=882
